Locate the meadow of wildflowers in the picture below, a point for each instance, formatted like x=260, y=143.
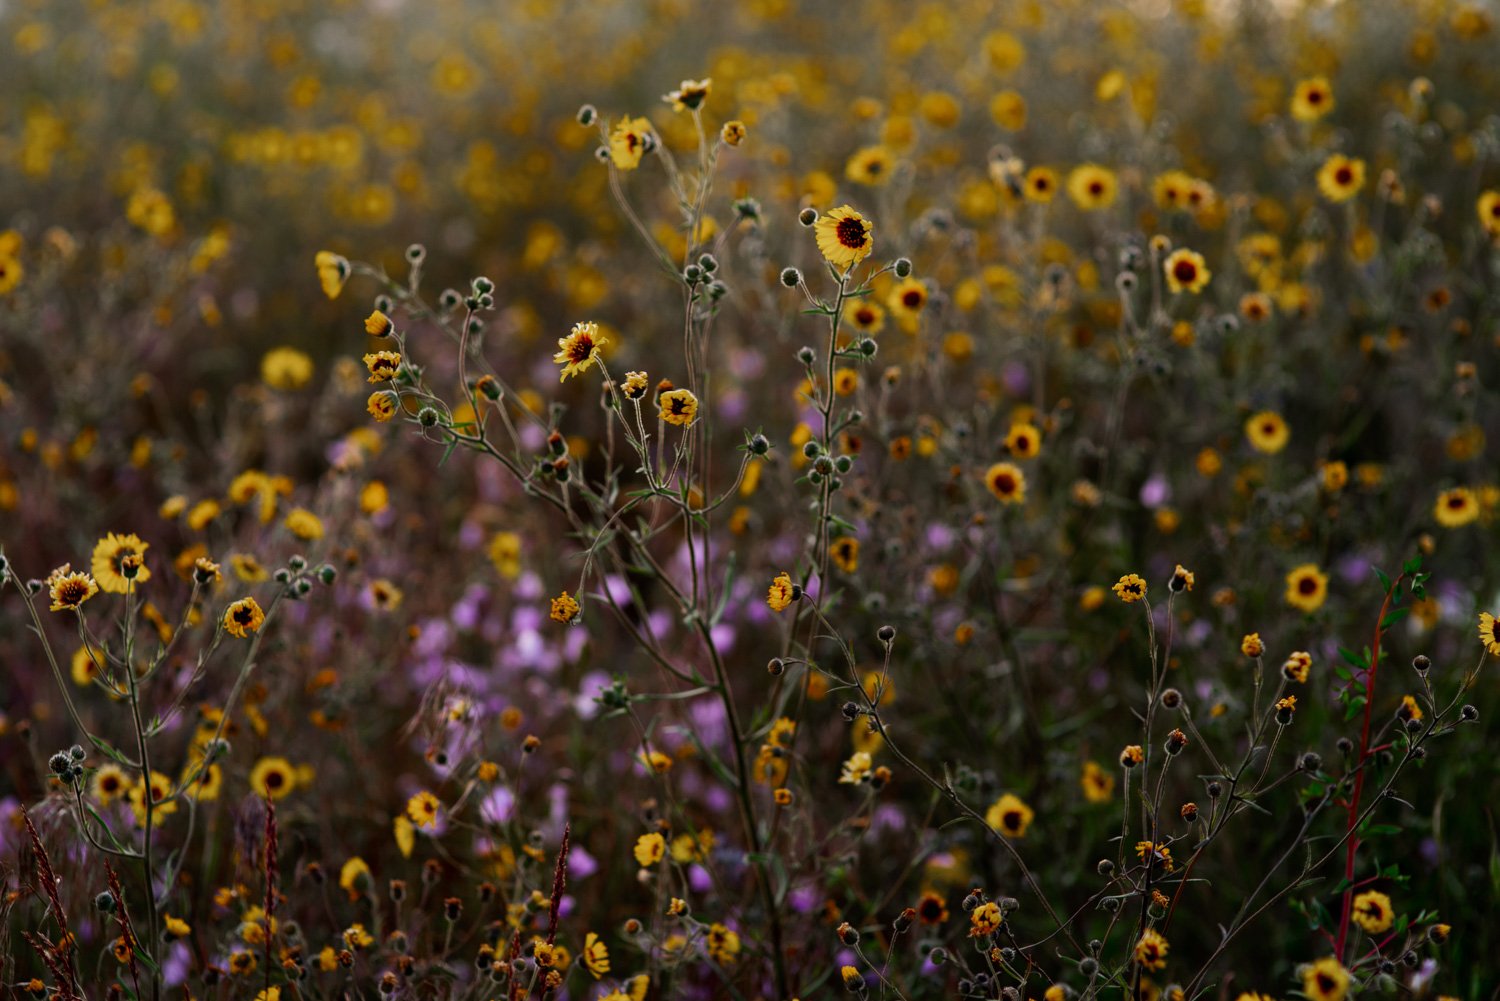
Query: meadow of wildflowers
x=763, y=499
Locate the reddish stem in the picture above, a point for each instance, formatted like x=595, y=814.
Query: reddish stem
x=1359, y=775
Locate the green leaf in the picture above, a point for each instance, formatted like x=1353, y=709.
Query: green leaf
x=1385, y=578
x=1353, y=658
x=1394, y=616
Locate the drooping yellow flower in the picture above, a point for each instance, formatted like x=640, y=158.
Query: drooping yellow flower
x=595, y=956
x=690, y=95
x=579, y=349
x=333, y=272
x=782, y=592
x=844, y=237
x=628, y=142
x=355, y=878
x=382, y=405
x=856, y=768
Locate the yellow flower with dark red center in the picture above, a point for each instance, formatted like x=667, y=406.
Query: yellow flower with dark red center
x=595, y=956
x=422, y=810
x=844, y=237
x=1131, y=756
x=1488, y=208
x=870, y=165
x=1489, y=633
x=1186, y=271
x=1456, y=508
x=109, y=784
x=985, y=919
x=1267, y=432
x=1183, y=579
x=733, y=132
x=649, y=849
x=243, y=617
x=383, y=365
x=1006, y=481
x=565, y=608
x=932, y=909
x=627, y=142
x=1041, y=185
x=845, y=553
x=781, y=593
x=1092, y=187
x=1325, y=980
x=1155, y=854
x=579, y=349
x=1130, y=588
x=69, y=588
x=1340, y=178
x=333, y=272
x=1151, y=950
x=1306, y=587
x=1297, y=666
x=382, y=405
x=1098, y=785
x=1408, y=709
x=273, y=778
x=162, y=801
x=722, y=943
x=1009, y=815
x=1023, y=440
x=1312, y=99
x=1372, y=911
x=865, y=316
x=109, y=562
x=906, y=301
x=678, y=406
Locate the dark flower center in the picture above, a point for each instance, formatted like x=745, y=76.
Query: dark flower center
x=1096, y=187
x=581, y=348
x=911, y=299
x=1307, y=585
x=1343, y=175
x=1184, y=271
x=1012, y=820
x=851, y=233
